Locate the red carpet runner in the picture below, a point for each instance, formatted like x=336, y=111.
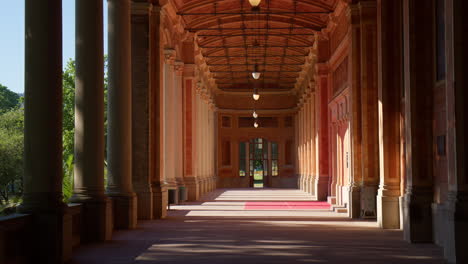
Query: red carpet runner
x=286, y=205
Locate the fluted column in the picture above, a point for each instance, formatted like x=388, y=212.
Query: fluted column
x=190, y=174
x=356, y=123
x=42, y=179
x=88, y=184
x=168, y=121
x=390, y=49
x=141, y=99
x=307, y=146
x=156, y=126
x=178, y=119
x=321, y=105
x=119, y=136
x=419, y=71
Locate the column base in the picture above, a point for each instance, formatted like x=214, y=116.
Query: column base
x=368, y=201
x=124, y=210
x=417, y=218
x=454, y=228
x=354, y=202
x=159, y=201
x=388, y=212
x=96, y=219
x=145, y=204
x=321, y=183
x=193, y=191
x=50, y=236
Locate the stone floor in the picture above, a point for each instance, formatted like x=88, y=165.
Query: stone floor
x=218, y=229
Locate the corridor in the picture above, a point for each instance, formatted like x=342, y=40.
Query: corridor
x=256, y=226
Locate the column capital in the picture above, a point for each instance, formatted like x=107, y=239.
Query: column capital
x=169, y=56
x=179, y=68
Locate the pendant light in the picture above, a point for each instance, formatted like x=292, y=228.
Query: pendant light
x=256, y=95
x=256, y=73
x=254, y=114
x=255, y=124
x=255, y=3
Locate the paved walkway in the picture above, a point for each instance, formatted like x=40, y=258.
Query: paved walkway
x=218, y=230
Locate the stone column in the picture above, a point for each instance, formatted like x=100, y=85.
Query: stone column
x=168, y=106
x=309, y=186
x=356, y=129
x=419, y=79
x=321, y=106
x=158, y=183
x=141, y=91
x=306, y=143
x=390, y=76
x=457, y=111
x=119, y=135
x=300, y=147
x=369, y=112
x=42, y=179
x=178, y=119
x=190, y=138
x=89, y=124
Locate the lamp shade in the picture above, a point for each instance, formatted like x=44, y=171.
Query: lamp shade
x=256, y=96
x=254, y=3
x=255, y=124
x=255, y=115
x=256, y=75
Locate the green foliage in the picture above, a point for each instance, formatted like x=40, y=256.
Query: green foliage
x=11, y=153
x=68, y=127
x=8, y=99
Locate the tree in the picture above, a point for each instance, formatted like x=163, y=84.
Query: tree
x=8, y=99
x=11, y=152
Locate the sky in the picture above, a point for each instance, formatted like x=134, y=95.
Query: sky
x=12, y=40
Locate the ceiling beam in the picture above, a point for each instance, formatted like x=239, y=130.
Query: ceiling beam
x=252, y=13
x=250, y=64
x=254, y=28
x=264, y=46
x=254, y=35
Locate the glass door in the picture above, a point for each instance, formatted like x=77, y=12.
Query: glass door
x=258, y=162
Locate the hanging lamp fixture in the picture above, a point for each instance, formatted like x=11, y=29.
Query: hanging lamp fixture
x=255, y=124
x=255, y=3
x=256, y=95
x=254, y=114
x=256, y=74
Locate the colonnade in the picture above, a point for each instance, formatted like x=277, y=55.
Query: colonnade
x=312, y=139
x=397, y=120
x=144, y=121
x=205, y=127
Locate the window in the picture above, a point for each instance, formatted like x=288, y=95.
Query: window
x=274, y=159
x=242, y=159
